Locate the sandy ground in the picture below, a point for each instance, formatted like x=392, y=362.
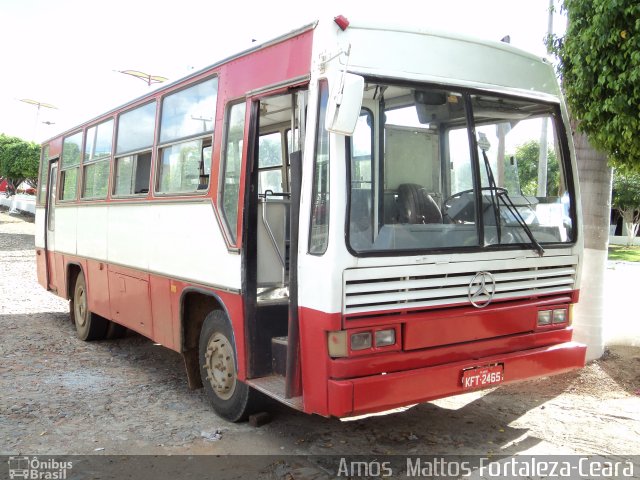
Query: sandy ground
x=59, y=395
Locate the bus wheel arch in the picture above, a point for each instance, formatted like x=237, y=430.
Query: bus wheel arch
x=72, y=270
x=89, y=326
x=195, y=305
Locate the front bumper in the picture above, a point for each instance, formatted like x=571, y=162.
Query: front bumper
x=382, y=392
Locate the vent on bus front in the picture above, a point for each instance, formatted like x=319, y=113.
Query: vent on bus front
x=369, y=290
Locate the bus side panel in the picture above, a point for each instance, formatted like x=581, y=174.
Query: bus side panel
x=41, y=259
x=130, y=302
x=98, y=288
x=41, y=266
x=59, y=277
x=161, y=310
x=314, y=326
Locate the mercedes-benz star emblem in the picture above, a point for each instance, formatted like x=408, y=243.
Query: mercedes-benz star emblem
x=482, y=288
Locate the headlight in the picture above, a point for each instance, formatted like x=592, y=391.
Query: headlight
x=360, y=341
x=345, y=343
x=544, y=317
x=384, y=338
x=560, y=316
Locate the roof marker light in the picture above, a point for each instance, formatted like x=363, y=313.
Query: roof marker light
x=342, y=22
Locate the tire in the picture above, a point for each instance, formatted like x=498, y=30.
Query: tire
x=89, y=326
x=232, y=399
x=115, y=331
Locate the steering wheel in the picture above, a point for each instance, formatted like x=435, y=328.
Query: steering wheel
x=471, y=190
x=462, y=213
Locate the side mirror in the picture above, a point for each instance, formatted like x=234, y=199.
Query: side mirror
x=344, y=103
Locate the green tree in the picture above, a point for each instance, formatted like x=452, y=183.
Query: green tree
x=527, y=157
x=600, y=68
x=270, y=152
x=626, y=198
x=19, y=160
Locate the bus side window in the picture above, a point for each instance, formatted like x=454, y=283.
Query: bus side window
x=133, y=150
x=71, y=152
x=97, y=160
x=186, y=128
x=132, y=174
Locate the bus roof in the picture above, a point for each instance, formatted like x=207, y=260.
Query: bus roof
x=389, y=28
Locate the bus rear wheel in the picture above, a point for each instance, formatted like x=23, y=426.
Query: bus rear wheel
x=232, y=399
x=89, y=326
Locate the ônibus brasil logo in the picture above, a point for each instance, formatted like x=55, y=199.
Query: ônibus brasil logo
x=33, y=468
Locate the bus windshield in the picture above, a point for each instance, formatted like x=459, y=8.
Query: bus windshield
x=419, y=177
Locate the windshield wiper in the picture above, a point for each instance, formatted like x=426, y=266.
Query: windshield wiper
x=504, y=196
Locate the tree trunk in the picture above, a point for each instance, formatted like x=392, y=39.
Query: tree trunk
x=630, y=225
x=595, y=178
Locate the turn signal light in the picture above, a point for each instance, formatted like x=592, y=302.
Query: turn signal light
x=337, y=343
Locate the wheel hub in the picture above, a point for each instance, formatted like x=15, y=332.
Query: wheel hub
x=220, y=366
x=81, y=306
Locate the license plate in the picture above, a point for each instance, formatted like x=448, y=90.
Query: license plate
x=479, y=377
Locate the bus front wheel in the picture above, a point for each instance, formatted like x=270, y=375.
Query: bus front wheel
x=89, y=326
x=231, y=399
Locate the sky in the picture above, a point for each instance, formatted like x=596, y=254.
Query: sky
x=67, y=53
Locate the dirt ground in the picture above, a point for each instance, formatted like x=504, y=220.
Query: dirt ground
x=59, y=395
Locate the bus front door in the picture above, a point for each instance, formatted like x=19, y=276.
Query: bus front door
x=50, y=225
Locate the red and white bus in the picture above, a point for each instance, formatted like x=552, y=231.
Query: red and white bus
x=348, y=218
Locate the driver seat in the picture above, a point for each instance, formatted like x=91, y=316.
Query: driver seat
x=415, y=205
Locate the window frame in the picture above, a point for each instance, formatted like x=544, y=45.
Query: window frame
x=184, y=88
x=284, y=158
x=63, y=170
x=94, y=161
x=43, y=175
x=349, y=171
x=160, y=146
x=323, y=97
x=151, y=146
x=205, y=142
x=231, y=236
x=564, y=160
x=114, y=174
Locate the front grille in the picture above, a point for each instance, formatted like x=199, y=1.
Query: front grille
x=423, y=286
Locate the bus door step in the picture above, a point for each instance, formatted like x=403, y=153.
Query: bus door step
x=274, y=386
x=279, y=355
